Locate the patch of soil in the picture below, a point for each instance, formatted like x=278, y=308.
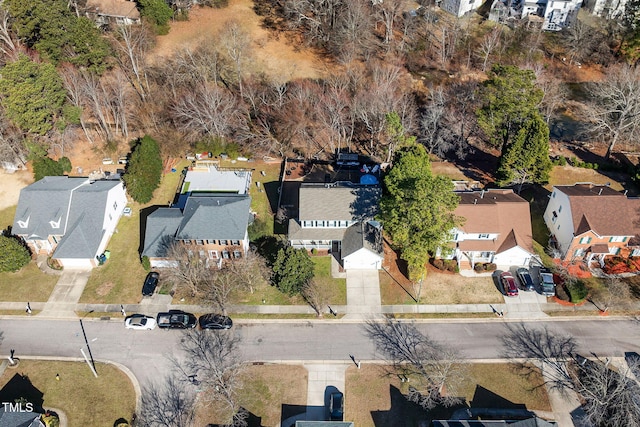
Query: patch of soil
x=105, y=288
x=272, y=54
x=12, y=183
x=395, y=267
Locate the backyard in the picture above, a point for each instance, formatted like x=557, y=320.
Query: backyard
x=85, y=400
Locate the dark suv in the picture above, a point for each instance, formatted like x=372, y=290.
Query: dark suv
x=150, y=284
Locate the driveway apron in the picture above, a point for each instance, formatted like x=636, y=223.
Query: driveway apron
x=363, y=294
x=66, y=294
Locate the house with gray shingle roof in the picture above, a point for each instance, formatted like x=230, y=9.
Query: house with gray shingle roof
x=327, y=211
x=212, y=225
x=589, y=222
x=69, y=218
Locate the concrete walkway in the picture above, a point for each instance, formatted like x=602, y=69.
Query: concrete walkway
x=66, y=294
x=363, y=295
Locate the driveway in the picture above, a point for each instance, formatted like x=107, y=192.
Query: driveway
x=363, y=294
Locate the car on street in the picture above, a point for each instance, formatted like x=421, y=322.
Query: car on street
x=215, y=321
x=150, y=284
x=509, y=284
x=336, y=406
x=176, y=319
x=140, y=322
x=547, y=283
x=525, y=279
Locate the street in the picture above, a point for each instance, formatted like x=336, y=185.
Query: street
x=144, y=352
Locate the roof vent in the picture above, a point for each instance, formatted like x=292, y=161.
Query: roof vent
x=482, y=194
x=600, y=192
x=625, y=192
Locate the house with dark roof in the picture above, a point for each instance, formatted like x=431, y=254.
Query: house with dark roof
x=589, y=222
x=496, y=229
x=212, y=225
x=71, y=219
x=529, y=422
x=327, y=213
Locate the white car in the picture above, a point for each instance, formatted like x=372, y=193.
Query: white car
x=140, y=321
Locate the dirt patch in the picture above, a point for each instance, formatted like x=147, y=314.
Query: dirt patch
x=12, y=183
x=273, y=55
x=105, y=288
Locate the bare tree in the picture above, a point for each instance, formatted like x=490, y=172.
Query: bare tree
x=191, y=272
x=431, y=366
x=489, y=43
x=214, y=359
x=609, y=396
x=250, y=271
x=8, y=45
x=133, y=43
x=555, y=93
x=431, y=122
x=316, y=295
x=236, y=44
x=616, y=294
x=388, y=11
x=209, y=110
x=614, y=106
x=168, y=403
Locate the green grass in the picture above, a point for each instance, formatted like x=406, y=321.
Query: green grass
x=86, y=400
x=28, y=284
x=120, y=279
x=337, y=287
x=6, y=217
x=265, y=199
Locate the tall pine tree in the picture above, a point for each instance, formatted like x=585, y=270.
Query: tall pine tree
x=144, y=170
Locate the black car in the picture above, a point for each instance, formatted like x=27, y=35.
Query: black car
x=215, y=321
x=336, y=406
x=176, y=319
x=150, y=284
x=525, y=279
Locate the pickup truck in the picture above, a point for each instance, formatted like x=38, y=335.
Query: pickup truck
x=547, y=283
x=176, y=319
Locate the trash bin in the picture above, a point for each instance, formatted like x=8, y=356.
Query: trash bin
x=107, y=254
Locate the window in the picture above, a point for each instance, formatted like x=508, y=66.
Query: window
x=485, y=254
x=237, y=254
x=553, y=195
x=559, y=208
x=585, y=240
x=223, y=242
x=235, y=242
x=199, y=242
x=617, y=239
x=187, y=242
x=306, y=224
x=558, y=228
x=110, y=218
x=115, y=205
x=201, y=254
x=483, y=236
x=211, y=242
x=225, y=254
x=213, y=254
x=579, y=252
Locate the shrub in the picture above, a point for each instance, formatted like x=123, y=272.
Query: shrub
x=479, y=267
x=293, y=269
x=451, y=265
x=490, y=266
x=13, y=254
x=146, y=264
x=314, y=251
x=577, y=291
x=438, y=263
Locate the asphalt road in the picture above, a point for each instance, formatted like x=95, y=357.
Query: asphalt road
x=144, y=352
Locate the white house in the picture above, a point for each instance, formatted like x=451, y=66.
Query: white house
x=589, y=222
x=460, y=7
x=71, y=219
x=496, y=229
x=609, y=9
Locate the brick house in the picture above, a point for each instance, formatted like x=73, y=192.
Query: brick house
x=589, y=222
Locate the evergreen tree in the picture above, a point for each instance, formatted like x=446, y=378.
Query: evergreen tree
x=158, y=13
x=144, y=170
x=13, y=254
x=32, y=94
x=293, y=269
x=526, y=159
x=417, y=208
x=45, y=166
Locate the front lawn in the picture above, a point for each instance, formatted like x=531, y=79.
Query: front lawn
x=373, y=399
x=86, y=400
x=28, y=284
x=271, y=393
x=440, y=288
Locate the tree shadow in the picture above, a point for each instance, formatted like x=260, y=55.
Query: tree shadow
x=144, y=213
x=495, y=276
x=480, y=166
x=268, y=247
x=20, y=387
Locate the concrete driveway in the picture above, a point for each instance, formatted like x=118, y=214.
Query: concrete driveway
x=363, y=294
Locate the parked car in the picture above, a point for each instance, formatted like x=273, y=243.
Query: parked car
x=525, y=279
x=509, y=284
x=150, y=284
x=140, y=322
x=215, y=321
x=336, y=406
x=176, y=319
x=547, y=283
